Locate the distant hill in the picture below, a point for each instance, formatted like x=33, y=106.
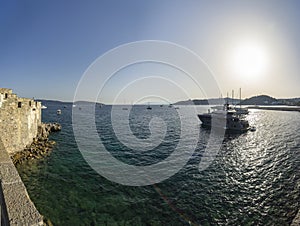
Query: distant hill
x=256, y=100
x=51, y=101
x=192, y=102
x=260, y=100
x=291, y=101
x=55, y=102
x=212, y=101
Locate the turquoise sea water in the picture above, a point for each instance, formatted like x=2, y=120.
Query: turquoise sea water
x=254, y=179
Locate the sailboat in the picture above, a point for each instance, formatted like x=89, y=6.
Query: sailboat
x=125, y=108
x=149, y=107
x=240, y=110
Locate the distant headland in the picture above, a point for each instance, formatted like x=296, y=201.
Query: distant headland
x=255, y=100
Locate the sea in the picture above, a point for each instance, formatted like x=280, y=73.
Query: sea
x=252, y=179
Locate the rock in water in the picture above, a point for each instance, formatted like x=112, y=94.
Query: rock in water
x=41, y=146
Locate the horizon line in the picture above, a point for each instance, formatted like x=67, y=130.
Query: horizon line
x=92, y=101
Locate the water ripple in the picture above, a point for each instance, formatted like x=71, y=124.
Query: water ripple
x=254, y=179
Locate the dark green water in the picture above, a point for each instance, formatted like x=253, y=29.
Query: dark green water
x=254, y=179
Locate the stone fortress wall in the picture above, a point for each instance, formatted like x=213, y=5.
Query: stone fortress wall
x=19, y=120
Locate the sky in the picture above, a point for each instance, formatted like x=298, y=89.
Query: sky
x=47, y=47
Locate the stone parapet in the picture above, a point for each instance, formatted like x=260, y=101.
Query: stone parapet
x=16, y=206
x=19, y=122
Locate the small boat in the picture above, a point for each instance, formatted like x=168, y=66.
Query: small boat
x=125, y=108
x=43, y=107
x=149, y=107
x=58, y=112
x=74, y=105
x=224, y=119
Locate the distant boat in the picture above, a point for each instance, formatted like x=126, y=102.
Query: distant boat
x=74, y=105
x=43, y=107
x=124, y=106
x=58, y=112
x=170, y=105
x=149, y=107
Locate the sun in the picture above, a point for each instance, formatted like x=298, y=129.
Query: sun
x=249, y=60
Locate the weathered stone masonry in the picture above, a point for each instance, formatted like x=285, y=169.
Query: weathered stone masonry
x=19, y=122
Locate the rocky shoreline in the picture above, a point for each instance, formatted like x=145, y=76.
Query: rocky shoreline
x=41, y=145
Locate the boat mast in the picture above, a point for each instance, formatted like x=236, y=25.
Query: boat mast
x=227, y=99
x=240, y=97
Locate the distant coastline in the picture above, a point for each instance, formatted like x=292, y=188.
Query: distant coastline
x=255, y=100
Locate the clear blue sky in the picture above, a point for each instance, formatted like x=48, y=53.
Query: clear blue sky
x=45, y=46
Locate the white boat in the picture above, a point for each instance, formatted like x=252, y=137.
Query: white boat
x=224, y=119
x=43, y=107
x=58, y=112
x=149, y=107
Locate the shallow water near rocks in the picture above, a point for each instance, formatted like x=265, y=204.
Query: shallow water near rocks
x=254, y=179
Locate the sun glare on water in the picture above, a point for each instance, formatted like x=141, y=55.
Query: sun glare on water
x=249, y=61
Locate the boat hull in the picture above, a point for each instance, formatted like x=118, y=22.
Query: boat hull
x=241, y=111
x=227, y=122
